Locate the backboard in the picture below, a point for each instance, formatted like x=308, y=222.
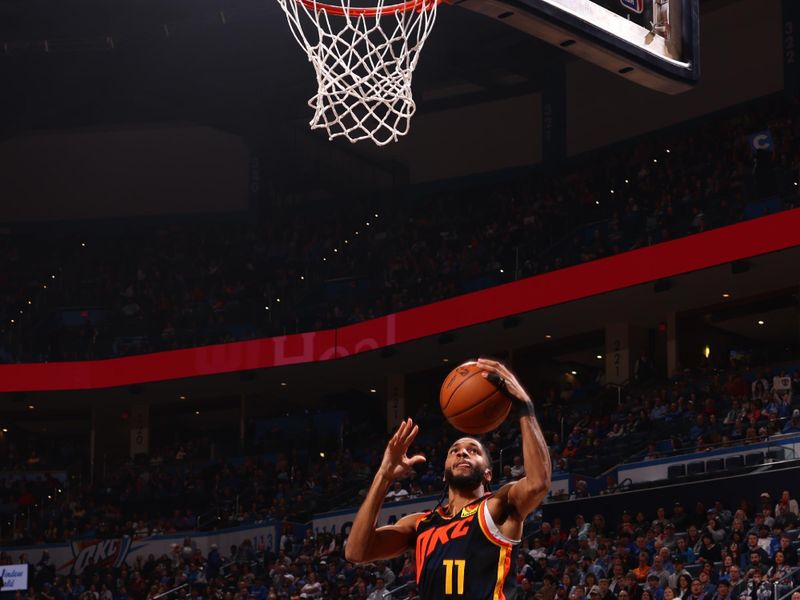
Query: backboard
x=654, y=43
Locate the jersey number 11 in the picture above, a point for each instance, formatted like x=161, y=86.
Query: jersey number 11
x=448, y=576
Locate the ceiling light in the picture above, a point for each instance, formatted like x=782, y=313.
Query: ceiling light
x=760, y=322
x=5, y=430
x=322, y=455
x=726, y=295
x=373, y=390
x=445, y=360
x=197, y=412
x=181, y=397
x=599, y=357
x=574, y=372
x=31, y=407
x=547, y=336
x=284, y=384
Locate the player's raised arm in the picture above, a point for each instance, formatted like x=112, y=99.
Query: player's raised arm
x=524, y=495
x=366, y=543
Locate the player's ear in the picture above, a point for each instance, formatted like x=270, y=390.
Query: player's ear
x=487, y=475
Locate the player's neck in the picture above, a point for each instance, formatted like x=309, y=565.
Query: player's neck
x=458, y=499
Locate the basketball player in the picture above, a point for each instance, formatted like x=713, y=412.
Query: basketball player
x=464, y=548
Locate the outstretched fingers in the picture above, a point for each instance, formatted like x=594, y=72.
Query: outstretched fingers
x=409, y=435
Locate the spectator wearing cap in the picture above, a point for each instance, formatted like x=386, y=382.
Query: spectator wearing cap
x=679, y=517
x=594, y=593
x=672, y=580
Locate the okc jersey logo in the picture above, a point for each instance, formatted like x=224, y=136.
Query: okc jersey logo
x=107, y=553
x=469, y=511
x=429, y=540
x=636, y=6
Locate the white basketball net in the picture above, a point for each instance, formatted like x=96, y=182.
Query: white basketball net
x=364, y=62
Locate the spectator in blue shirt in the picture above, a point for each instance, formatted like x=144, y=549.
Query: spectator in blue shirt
x=793, y=424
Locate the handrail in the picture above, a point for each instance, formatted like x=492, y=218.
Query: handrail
x=772, y=440
x=391, y=593
x=168, y=592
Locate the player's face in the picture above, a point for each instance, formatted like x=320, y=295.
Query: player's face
x=466, y=466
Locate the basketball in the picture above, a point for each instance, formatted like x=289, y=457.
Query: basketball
x=470, y=402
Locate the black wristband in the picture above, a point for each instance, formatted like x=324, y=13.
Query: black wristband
x=525, y=409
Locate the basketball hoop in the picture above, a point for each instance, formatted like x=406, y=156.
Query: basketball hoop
x=364, y=58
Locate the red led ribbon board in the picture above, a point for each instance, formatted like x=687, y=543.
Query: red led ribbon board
x=692, y=253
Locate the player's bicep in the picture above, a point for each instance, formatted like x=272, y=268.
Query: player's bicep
x=517, y=500
x=392, y=540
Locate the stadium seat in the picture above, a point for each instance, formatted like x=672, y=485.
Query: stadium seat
x=734, y=462
x=696, y=468
x=715, y=465
x=776, y=454
x=754, y=459
x=676, y=471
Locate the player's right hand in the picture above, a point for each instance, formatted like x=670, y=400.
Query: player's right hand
x=396, y=464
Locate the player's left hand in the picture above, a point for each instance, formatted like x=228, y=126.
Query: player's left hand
x=505, y=379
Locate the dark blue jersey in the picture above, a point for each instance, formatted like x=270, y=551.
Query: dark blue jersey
x=464, y=557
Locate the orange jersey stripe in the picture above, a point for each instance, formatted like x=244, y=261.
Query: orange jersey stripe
x=503, y=567
x=485, y=529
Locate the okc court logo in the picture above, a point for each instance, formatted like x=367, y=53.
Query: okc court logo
x=106, y=553
x=636, y=6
